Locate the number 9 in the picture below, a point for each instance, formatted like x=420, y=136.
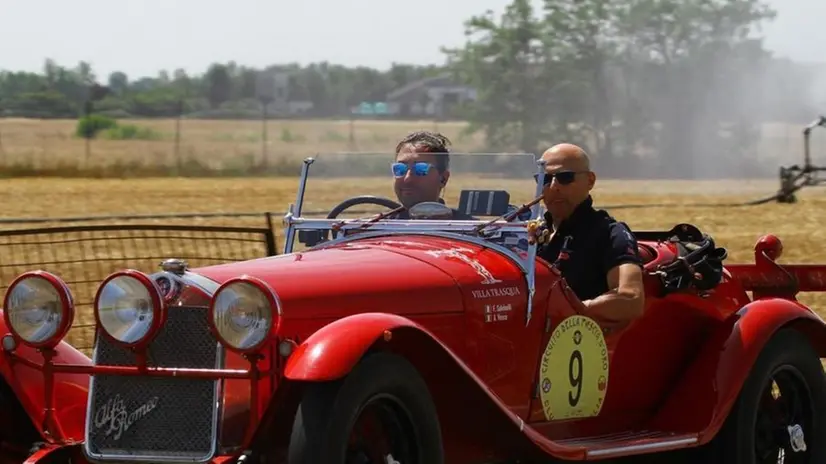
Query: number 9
x=575, y=377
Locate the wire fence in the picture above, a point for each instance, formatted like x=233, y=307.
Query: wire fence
x=83, y=255
x=198, y=147
x=202, y=147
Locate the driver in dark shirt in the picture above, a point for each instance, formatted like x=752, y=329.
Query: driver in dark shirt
x=596, y=254
x=421, y=170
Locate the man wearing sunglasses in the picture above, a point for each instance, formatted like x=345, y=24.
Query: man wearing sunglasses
x=597, y=255
x=421, y=171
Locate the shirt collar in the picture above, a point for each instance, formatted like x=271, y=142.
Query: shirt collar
x=582, y=211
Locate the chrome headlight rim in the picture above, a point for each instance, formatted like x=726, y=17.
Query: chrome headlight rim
x=274, y=316
x=67, y=309
x=159, y=309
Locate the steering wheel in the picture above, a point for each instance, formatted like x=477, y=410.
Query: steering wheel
x=362, y=200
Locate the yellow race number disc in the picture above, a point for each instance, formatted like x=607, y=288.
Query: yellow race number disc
x=573, y=374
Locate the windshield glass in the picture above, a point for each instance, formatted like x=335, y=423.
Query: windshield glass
x=335, y=178
x=480, y=186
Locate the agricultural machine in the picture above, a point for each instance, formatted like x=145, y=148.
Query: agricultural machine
x=795, y=177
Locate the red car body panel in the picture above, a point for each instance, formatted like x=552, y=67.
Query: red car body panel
x=709, y=387
x=28, y=386
x=323, y=284
x=502, y=358
x=459, y=312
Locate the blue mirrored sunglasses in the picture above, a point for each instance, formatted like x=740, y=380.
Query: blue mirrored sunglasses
x=562, y=177
x=420, y=168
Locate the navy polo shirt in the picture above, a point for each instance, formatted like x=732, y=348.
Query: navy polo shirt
x=586, y=246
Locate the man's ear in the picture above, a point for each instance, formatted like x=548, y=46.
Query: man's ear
x=445, y=177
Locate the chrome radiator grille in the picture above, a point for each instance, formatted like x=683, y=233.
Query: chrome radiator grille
x=157, y=418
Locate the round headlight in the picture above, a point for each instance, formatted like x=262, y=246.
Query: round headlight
x=38, y=309
x=242, y=313
x=129, y=308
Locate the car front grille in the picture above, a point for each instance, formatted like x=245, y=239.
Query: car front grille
x=157, y=419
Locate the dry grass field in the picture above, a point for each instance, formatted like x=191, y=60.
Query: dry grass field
x=228, y=144
x=218, y=144
x=221, y=142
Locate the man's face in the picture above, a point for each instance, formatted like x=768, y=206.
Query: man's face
x=412, y=188
x=570, y=186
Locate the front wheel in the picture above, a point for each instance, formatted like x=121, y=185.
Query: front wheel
x=780, y=414
x=381, y=413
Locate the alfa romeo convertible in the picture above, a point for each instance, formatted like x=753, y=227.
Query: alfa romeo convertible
x=422, y=340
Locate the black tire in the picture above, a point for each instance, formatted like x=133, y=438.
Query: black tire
x=328, y=412
x=16, y=429
x=789, y=362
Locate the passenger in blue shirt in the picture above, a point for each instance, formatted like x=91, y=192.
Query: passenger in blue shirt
x=596, y=254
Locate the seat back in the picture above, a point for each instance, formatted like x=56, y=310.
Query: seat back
x=484, y=202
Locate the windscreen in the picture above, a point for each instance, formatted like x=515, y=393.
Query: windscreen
x=486, y=179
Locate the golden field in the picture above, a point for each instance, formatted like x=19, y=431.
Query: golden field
x=227, y=144
x=736, y=228
x=222, y=143
x=215, y=143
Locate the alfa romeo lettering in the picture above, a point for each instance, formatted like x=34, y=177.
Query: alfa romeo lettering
x=573, y=375
x=114, y=417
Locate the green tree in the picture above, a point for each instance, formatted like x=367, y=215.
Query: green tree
x=506, y=61
x=588, y=30
x=219, y=85
x=118, y=83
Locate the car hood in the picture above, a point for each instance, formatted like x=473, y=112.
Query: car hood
x=399, y=274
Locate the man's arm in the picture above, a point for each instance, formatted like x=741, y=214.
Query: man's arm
x=624, y=302
x=625, y=299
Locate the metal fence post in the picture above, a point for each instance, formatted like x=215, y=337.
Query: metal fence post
x=272, y=250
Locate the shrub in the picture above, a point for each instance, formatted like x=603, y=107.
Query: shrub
x=89, y=126
x=131, y=132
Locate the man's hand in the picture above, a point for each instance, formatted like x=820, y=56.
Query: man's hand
x=601, y=313
x=623, y=303
x=538, y=232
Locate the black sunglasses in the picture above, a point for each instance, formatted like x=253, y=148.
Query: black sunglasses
x=562, y=177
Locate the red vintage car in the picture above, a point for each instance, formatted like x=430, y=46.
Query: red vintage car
x=419, y=341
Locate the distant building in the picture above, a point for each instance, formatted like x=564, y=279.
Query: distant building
x=275, y=85
x=432, y=97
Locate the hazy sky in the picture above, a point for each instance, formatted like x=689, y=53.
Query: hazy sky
x=141, y=37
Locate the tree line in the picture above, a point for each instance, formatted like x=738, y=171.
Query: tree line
x=688, y=80
x=223, y=90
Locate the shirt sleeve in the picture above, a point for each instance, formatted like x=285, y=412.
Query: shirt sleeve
x=621, y=248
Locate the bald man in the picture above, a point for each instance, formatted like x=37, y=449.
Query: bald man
x=597, y=255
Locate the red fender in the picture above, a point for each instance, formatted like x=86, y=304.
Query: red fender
x=71, y=391
x=703, y=397
x=332, y=351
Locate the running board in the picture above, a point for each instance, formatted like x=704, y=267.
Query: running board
x=631, y=443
